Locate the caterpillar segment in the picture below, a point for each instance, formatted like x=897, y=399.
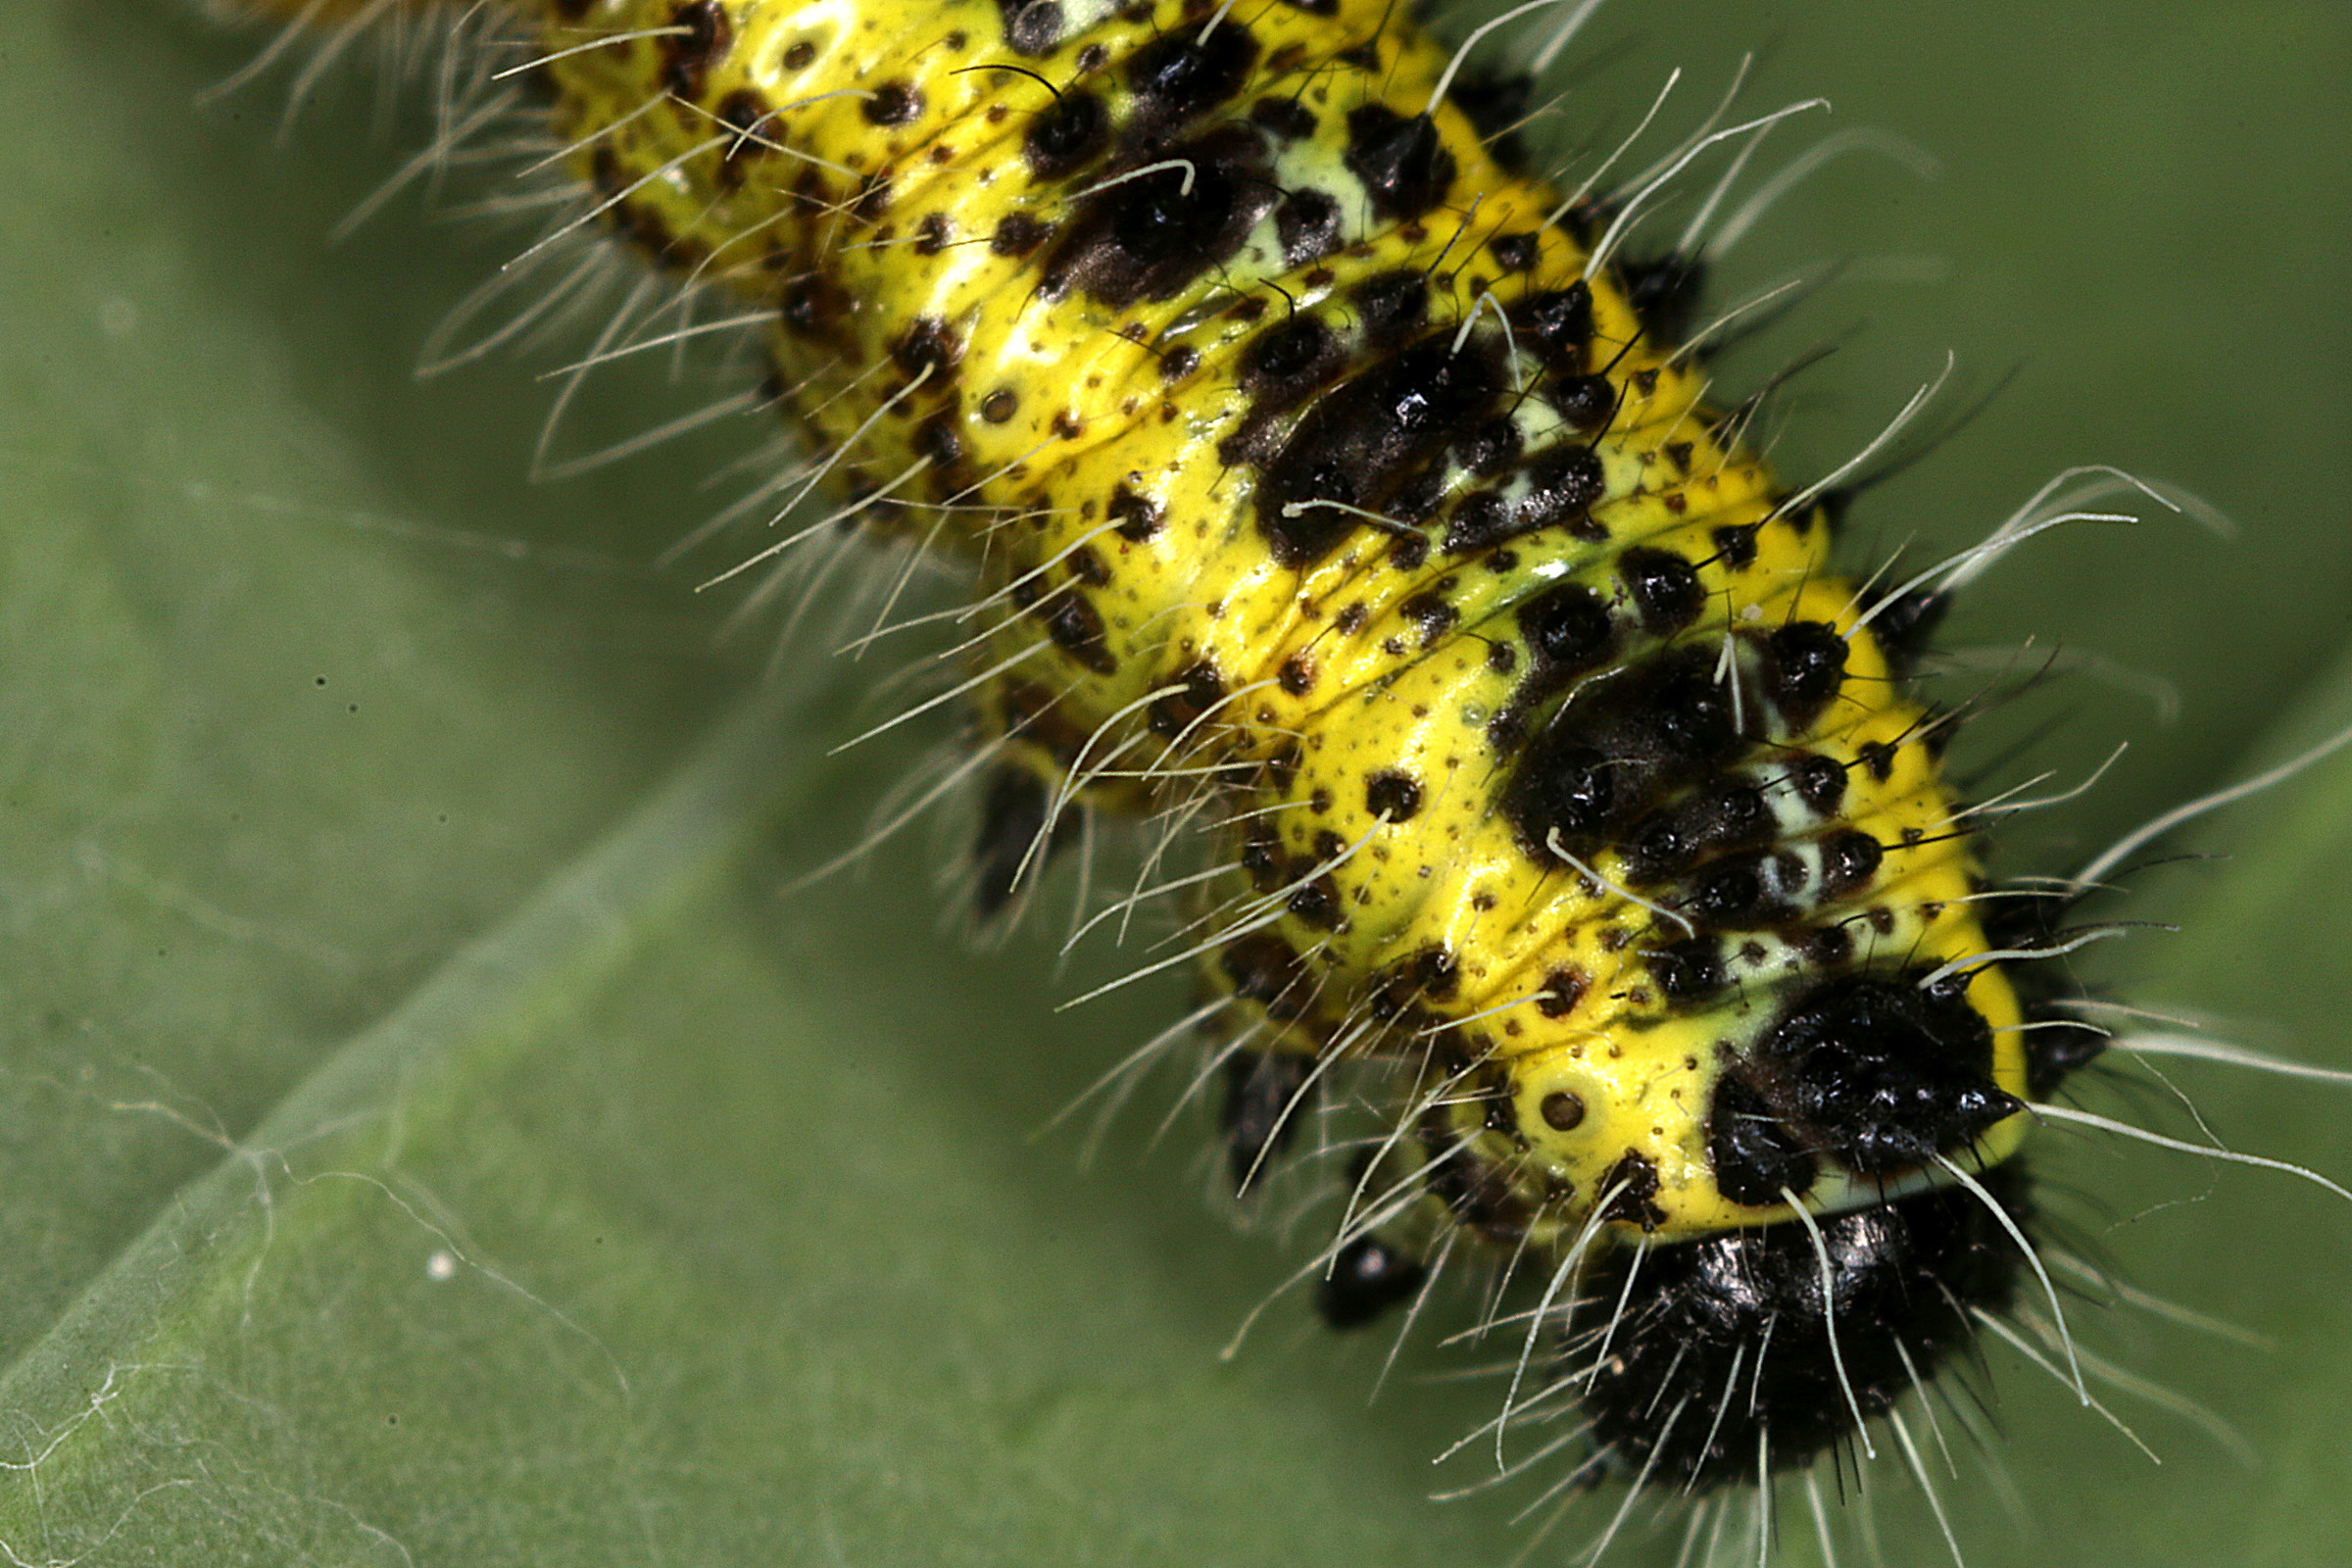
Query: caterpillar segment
x=1312, y=472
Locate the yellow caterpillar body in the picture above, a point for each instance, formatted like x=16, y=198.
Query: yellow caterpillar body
x=1318, y=485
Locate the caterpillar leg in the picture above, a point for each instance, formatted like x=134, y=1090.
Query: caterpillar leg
x=1370, y=1276
x=1008, y=850
x=1266, y=1095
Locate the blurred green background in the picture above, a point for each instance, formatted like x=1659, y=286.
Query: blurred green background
x=430, y=1137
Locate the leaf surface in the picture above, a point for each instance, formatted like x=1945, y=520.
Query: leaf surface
x=431, y=1138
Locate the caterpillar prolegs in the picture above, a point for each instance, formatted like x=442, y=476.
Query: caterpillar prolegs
x=1329, y=482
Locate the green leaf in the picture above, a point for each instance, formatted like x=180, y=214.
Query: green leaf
x=432, y=1138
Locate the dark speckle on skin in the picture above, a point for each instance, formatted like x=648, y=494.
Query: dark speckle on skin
x=1018, y=234
x=1562, y=990
x=1285, y=117
x=1402, y=163
x=931, y=344
x=1516, y=252
x=1394, y=796
x=1138, y=517
x=894, y=103
x=705, y=33
x=1432, y=617
x=1664, y=588
x=1032, y=26
x=1066, y=135
x=1737, y=545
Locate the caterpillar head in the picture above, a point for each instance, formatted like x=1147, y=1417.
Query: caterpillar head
x=1706, y=1362
x=1747, y=1287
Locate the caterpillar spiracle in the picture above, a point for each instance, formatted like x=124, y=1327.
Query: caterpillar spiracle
x=1579, y=891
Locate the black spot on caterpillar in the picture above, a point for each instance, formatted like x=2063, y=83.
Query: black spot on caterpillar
x=1676, y=744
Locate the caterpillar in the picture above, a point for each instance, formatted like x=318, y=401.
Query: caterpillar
x=1327, y=480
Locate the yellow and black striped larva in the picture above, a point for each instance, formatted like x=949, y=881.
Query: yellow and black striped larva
x=1335, y=490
